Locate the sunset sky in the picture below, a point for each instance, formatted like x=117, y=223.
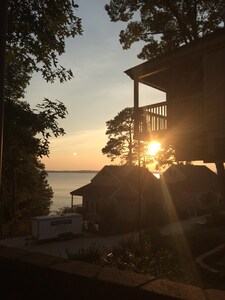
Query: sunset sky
x=99, y=90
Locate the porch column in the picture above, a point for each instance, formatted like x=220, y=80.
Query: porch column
x=71, y=201
x=137, y=137
x=221, y=176
x=136, y=106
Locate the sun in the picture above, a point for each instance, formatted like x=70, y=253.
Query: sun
x=153, y=148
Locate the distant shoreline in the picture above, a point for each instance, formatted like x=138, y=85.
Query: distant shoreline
x=73, y=171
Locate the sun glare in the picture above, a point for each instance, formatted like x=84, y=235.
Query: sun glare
x=153, y=148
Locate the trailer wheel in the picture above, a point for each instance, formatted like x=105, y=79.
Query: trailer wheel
x=65, y=236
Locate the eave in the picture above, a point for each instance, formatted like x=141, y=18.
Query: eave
x=156, y=72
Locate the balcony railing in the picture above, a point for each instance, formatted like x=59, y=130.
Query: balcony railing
x=152, y=120
x=185, y=119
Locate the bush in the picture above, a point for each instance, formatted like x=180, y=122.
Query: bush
x=171, y=257
x=91, y=254
x=133, y=256
x=63, y=210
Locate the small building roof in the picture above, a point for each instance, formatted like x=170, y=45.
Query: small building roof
x=195, y=176
x=94, y=190
x=131, y=175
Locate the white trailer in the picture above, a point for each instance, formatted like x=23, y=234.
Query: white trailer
x=56, y=226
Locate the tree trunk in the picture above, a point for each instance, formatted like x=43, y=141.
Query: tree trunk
x=3, y=28
x=221, y=176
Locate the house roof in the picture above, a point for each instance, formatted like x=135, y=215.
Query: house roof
x=192, y=180
x=155, y=72
x=94, y=190
x=146, y=178
x=120, y=171
x=195, y=177
x=126, y=175
x=132, y=175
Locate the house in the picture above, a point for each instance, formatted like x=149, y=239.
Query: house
x=191, y=119
x=121, y=192
x=186, y=184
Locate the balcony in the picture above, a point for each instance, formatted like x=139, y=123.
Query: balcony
x=185, y=119
x=151, y=121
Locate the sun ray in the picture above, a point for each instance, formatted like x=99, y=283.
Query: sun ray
x=178, y=236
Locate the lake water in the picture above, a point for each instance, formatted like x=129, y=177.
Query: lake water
x=63, y=183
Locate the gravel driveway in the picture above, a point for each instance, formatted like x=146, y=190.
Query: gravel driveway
x=61, y=248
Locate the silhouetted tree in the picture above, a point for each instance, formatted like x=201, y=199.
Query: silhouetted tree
x=121, y=144
x=164, y=25
x=36, y=34
x=120, y=132
x=25, y=188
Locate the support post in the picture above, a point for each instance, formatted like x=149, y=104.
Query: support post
x=71, y=201
x=136, y=109
x=137, y=137
x=221, y=176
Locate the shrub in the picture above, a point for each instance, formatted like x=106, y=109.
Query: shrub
x=133, y=256
x=63, y=210
x=91, y=254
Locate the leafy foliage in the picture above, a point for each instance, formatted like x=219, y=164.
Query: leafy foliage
x=37, y=30
x=164, y=25
x=121, y=144
x=158, y=256
x=25, y=188
x=63, y=210
x=36, y=37
x=28, y=131
x=133, y=256
x=141, y=257
x=92, y=254
x=164, y=157
x=120, y=132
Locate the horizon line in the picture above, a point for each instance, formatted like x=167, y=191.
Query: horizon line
x=82, y=170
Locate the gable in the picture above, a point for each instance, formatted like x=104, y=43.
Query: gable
x=105, y=178
x=196, y=177
x=173, y=174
